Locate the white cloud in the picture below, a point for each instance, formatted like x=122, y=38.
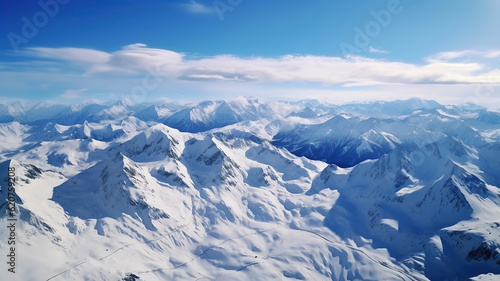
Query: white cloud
x=196, y=8
x=73, y=94
x=377, y=51
x=138, y=59
x=449, y=56
x=492, y=54
x=75, y=55
x=210, y=77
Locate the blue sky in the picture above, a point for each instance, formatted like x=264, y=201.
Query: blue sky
x=335, y=50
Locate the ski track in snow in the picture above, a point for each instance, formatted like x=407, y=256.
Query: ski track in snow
x=384, y=264
x=121, y=248
x=208, y=249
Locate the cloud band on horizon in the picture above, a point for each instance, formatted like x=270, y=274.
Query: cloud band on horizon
x=138, y=59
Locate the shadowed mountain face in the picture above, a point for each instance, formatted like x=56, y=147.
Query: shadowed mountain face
x=248, y=189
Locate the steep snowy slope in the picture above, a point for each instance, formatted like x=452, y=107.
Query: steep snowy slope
x=204, y=116
x=11, y=136
x=215, y=114
x=347, y=141
x=407, y=203
x=342, y=141
x=77, y=114
x=158, y=113
x=111, y=189
x=153, y=144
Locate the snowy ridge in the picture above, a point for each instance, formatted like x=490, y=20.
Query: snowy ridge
x=120, y=187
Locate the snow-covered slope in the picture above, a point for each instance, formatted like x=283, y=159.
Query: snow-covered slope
x=342, y=141
x=215, y=114
x=248, y=189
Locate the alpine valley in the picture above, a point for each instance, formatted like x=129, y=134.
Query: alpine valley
x=252, y=189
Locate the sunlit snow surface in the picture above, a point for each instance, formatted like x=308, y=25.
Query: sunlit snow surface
x=249, y=189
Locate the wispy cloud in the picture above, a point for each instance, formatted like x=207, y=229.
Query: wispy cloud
x=196, y=8
x=453, y=55
x=377, y=51
x=74, y=55
x=73, y=94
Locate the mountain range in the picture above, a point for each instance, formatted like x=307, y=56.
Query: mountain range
x=253, y=189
